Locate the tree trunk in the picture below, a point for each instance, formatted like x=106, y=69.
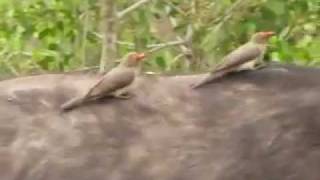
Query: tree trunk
x=109, y=49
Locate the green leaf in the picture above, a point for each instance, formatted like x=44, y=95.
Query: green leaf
x=161, y=62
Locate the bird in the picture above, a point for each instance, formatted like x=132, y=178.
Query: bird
x=252, y=51
x=112, y=83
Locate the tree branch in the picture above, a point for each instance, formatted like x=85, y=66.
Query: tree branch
x=84, y=34
x=131, y=8
x=186, y=47
x=154, y=47
x=226, y=16
x=157, y=47
x=128, y=44
x=109, y=49
x=110, y=19
x=229, y=12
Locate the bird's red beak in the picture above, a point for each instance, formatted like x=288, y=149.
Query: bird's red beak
x=140, y=56
x=268, y=33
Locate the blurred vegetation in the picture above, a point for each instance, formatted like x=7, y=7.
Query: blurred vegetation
x=62, y=35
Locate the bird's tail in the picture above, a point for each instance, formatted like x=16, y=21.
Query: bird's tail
x=72, y=103
x=209, y=78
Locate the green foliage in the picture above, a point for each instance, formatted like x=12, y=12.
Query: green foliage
x=59, y=35
x=39, y=35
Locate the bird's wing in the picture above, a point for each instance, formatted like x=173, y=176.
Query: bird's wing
x=116, y=79
x=72, y=103
x=239, y=56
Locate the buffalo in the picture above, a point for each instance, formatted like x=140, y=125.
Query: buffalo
x=252, y=125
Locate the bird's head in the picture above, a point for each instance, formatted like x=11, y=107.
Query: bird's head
x=133, y=59
x=262, y=37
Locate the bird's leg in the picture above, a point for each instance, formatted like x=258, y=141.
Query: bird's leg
x=259, y=63
x=253, y=65
x=260, y=66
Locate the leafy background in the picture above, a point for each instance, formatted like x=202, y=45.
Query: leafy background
x=62, y=35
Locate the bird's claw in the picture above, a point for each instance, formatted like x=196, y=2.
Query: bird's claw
x=252, y=67
x=260, y=66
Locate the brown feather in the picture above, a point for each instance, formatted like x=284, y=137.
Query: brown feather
x=243, y=54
